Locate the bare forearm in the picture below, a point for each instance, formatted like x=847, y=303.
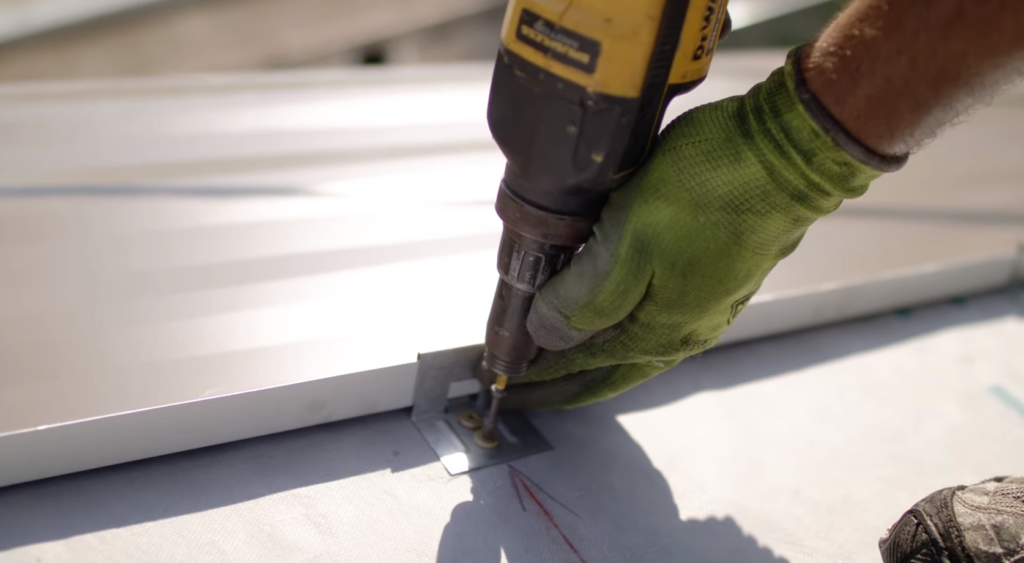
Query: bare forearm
x=895, y=72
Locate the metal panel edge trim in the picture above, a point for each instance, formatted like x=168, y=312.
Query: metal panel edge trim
x=78, y=446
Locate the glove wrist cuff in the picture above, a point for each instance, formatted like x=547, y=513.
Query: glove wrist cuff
x=834, y=129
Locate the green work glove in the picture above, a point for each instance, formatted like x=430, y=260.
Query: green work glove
x=729, y=191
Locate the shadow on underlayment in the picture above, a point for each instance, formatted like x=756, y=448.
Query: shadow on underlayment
x=595, y=500
x=596, y=497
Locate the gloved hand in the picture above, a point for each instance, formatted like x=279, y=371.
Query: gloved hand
x=679, y=250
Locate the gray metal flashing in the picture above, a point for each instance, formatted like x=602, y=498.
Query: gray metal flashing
x=23, y=18
x=48, y=451
x=238, y=256
x=779, y=313
x=751, y=12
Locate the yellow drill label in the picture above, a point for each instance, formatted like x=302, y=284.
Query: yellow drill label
x=557, y=42
x=604, y=46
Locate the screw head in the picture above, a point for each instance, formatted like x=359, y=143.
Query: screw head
x=486, y=440
x=471, y=420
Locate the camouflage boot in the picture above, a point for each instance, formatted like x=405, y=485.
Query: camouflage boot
x=983, y=523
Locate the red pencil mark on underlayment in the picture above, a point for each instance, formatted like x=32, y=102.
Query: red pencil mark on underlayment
x=547, y=515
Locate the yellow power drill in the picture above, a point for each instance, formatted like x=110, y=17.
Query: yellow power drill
x=576, y=103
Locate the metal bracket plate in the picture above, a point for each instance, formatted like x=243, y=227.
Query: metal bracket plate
x=437, y=418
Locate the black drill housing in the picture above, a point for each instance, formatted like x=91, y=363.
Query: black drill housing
x=567, y=149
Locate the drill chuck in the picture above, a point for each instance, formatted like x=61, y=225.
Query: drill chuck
x=535, y=245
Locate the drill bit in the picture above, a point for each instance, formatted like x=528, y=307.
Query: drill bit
x=487, y=436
